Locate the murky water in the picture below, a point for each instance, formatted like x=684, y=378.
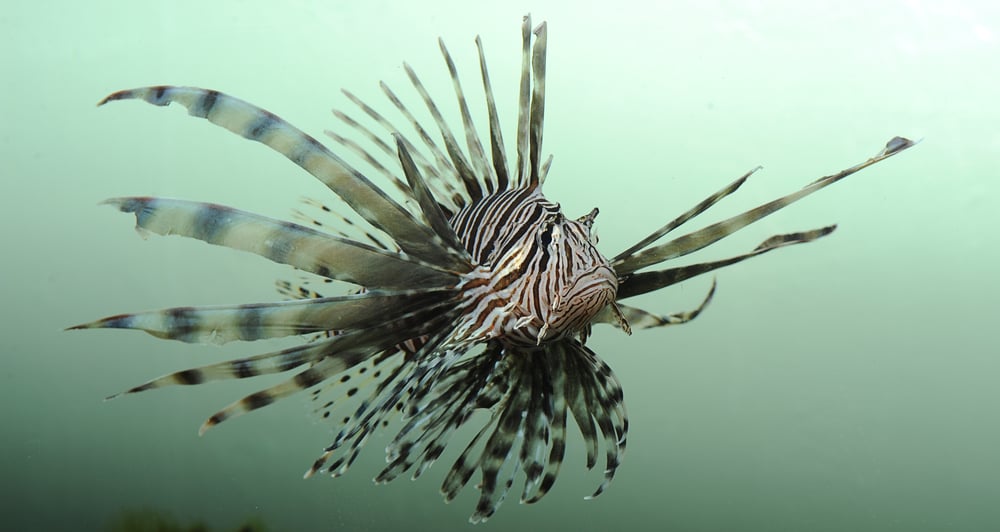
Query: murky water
x=848, y=384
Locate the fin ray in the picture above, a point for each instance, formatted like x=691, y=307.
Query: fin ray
x=282, y=242
x=254, y=123
x=701, y=238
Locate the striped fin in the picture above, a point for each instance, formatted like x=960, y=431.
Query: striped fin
x=342, y=395
x=445, y=193
x=340, y=227
x=643, y=282
x=537, y=103
x=272, y=320
x=503, y=382
x=476, y=153
x=392, y=394
x=368, y=157
x=699, y=239
x=467, y=175
x=576, y=398
x=493, y=452
x=535, y=434
x=243, y=368
x=458, y=197
x=545, y=169
x=521, y=177
x=496, y=137
x=428, y=205
x=605, y=403
x=454, y=397
x=387, y=367
x=298, y=289
x=317, y=373
x=384, y=123
x=680, y=220
x=347, y=350
x=254, y=123
x=360, y=128
x=541, y=475
x=494, y=395
x=640, y=319
x=464, y=467
x=498, y=450
x=528, y=394
x=282, y=242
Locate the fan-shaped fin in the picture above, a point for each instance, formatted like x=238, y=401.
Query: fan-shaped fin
x=254, y=123
x=272, y=320
x=283, y=242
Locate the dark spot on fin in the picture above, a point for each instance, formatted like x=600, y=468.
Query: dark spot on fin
x=309, y=378
x=205, y=104
x=141, y=388
x=264, y=123
x=216, y=418
x=897, y=144
x=115, y=96
x=251, y=322
x=243, y=369
x=133, y=205
x=257, y=400
x=157, y=94
x=180, y=323
x=189, y=377
x=210, y=222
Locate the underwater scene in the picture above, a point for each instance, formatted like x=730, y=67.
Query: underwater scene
x=608, y=326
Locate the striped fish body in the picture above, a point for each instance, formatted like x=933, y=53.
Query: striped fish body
x=539, y=275
x=477, y=293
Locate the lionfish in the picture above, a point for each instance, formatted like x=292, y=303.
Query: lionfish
x=474, y=294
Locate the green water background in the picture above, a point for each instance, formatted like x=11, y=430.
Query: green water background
x=849, y=384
